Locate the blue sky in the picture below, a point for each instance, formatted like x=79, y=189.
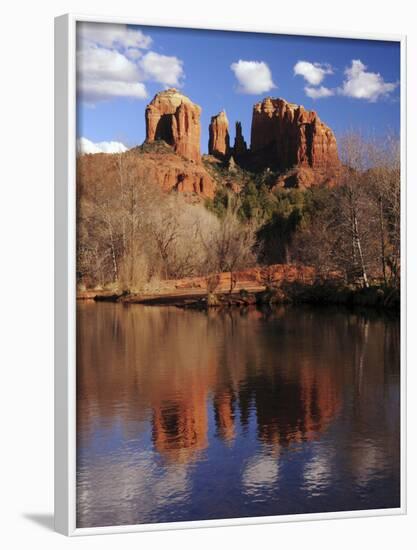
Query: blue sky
x=121, y=68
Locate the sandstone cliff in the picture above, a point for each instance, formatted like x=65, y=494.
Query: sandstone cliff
x=285, y=135
x=175, y=119
x=219, y=140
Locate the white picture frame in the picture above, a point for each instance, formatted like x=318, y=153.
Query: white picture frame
x=65, y=284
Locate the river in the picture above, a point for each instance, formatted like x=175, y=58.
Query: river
x=188, y=415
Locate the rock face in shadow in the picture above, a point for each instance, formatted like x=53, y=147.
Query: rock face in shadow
x=219, y=140
x=175, y=119
x=239, y=148
x=285, y=135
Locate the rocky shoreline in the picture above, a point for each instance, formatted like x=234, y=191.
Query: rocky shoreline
x=291, y=293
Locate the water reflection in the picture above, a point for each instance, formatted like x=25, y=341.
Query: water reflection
x=260, y=472
x=318, y=473
x=286, y=411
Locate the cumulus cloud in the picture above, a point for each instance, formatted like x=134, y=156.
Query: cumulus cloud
x=111, y=36
x=361, y=84
x=100, y=64
x=92, y=91
x=133, y=54
x=115, y=61
x=104, y=74
x=254, y=77
x=313, y=73
x=317, y=93
x=87, y=147
x=167, y=70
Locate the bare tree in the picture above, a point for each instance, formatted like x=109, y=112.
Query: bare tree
x=231, y=247
x=357, y=230
x=384, y=184
x=352, y=202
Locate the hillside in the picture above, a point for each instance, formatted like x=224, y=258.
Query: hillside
x=156, y=163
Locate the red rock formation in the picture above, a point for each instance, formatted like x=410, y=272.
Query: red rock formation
x=173, y=174
x=240, y=147
x=191, y=182
x=174, y=118
x=253, y=278
x=305, y=177
x=219, y=140
x=163, y=168
x=285, y=135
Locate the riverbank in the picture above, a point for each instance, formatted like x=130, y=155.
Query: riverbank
x=295, y=293
x=253, y=280
x=260, y=285
x=330, y=293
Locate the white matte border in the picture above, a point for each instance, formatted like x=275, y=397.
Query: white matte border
x=65, y=283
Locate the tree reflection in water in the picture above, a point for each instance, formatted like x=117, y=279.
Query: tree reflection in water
x=193, y=390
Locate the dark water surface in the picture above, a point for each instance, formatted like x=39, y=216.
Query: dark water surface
x=184, y=415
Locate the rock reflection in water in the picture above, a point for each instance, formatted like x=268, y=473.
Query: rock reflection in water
x=291, y=410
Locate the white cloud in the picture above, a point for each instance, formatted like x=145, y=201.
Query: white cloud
x=92, y=91
x=111, y=147
x=361, y=84
x=254, y=77
x=317, y=93
x=87, y=147
x=114, y=61
x=95, y=63
x=313, y=73
x=133, y=54
x=110, y=35
x=165, y=69
x=103, y=74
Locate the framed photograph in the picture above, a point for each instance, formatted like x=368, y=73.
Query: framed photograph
x=230, y=275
